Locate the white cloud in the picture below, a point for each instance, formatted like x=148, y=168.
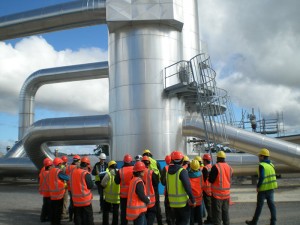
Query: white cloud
x=34, y=53
x=254, y=47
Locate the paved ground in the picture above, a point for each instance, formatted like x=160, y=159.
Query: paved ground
x=20, y=203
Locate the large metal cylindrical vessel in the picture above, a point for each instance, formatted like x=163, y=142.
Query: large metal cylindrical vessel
x=142, y=117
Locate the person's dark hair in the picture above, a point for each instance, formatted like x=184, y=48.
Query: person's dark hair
x=220, y=159
x=137, y=174
x=178, y=162
x=83, y=164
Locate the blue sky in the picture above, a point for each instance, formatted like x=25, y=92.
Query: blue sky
x=253, y=45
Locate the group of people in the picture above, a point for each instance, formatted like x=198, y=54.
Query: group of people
x=133, y=189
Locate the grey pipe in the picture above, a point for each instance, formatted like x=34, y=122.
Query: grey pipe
x=281, y=151
x=89, y=128
x=53, y=75
x=16, y=151
x=58, y=17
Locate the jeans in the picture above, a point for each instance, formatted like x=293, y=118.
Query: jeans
x=196, y=215
x=123, y=206
x=141, y=220
x=220, y=211
x=261, y=196
x=207, y=203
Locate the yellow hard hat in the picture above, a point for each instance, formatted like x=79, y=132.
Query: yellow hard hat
x=146, y=151
x=221, y=154
x=264, y=152
x=198, y=158
x=186, y=158
x=112, y=162
x=195, y=165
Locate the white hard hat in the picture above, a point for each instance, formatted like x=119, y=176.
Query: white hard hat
x=102, y=156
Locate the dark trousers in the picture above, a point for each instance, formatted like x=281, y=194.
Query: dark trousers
x=220, y=211
x=56, y=210
x=71, y=207
x=46, y=210
x=100, y=192
x=158, y=209
x=123, y=206
x=170, y=218
x=150, y=215
x=141, y=220
x=83, y=215
x=106, y=209
x=261, y=196
x=196, y=215
x=207, y=203
x=182, y=215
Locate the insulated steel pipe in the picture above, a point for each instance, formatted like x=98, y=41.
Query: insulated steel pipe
x=89, y=128
x=49, y=76
x=58, y=17
x=281, y=151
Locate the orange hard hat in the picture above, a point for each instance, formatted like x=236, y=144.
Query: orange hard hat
x=168, y=159
x=127, y=158
x=177, y=155
x=64, y=158
x=145, y=158
x=76, y=157
x=139, y=166
x=86, y=160
x=47, y=162
x=206, y=157
x=57, y=161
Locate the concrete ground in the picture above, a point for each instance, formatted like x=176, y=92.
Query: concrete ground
x=20, y=202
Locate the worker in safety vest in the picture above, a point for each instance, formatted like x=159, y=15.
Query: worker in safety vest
x=44, y=190
x=220, y=179
x=111, y=194
x=207, y=187
x=179, y=189
x=265, y=187
x=168, y=211
x=196, y=180
x=151, y=181
x=186, y=163
x=123, y=178
x=74, y=165
x=137, y=198
x=155, y=166
x=57, y=188
x=99, y=171
x=81, y=184
x=64, y=167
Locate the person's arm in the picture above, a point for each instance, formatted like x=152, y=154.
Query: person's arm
x=140, y=192
x=163, y=178
x=117, y=177
x=205, y=173
x=95, y=170
x=63, y=176
x=105, y=180
x=261, y=176
x=89, y=181
x=184, y=177
x=213, y=174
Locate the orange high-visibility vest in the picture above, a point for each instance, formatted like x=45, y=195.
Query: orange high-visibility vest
x=44, y=182
x=135, y=206
x=149, y=187
x=126, y=174
x=81, y=195
x=196, y=185
x=221, y=187
x=69, y=170
x=56, y=185
x=206, y=184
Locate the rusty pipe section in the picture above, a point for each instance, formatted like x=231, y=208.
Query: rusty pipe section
x=49, y=76
x=57, y=17
x=281, y=151
x=91, y=129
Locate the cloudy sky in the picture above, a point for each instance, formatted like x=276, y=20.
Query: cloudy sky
x=254, y=48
